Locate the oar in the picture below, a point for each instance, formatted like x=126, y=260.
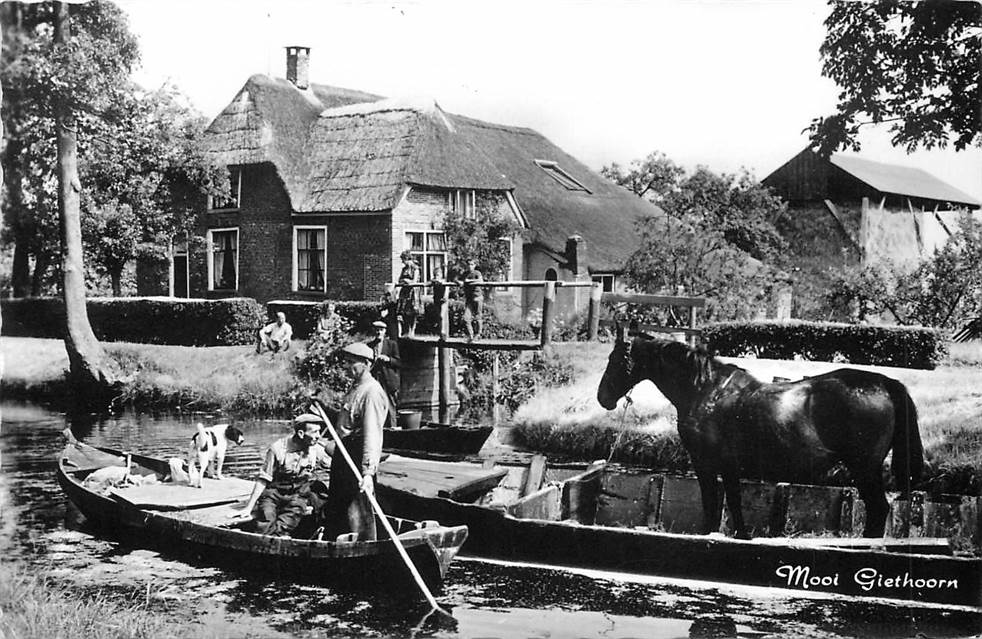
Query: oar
x=319, y=411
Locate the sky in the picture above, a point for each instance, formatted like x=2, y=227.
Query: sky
x=727, y=84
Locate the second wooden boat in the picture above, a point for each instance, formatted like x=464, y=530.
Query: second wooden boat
x=529, y=513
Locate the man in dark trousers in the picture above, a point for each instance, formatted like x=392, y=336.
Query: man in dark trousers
x=359, y=423
x=281, y=495
x=385, y=367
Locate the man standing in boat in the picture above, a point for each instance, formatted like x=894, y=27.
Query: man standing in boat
x=360, y=422
x=385, y=367
x=282, y=492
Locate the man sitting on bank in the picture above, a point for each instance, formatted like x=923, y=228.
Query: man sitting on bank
x=275, y=336
x=281, y=495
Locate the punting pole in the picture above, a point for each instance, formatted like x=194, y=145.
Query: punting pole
x=318, y=410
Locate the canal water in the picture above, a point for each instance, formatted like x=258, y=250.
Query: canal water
x=484, y=599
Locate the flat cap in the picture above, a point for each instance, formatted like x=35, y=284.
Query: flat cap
x=359, y=350
x=379, y=324
x=307, y=418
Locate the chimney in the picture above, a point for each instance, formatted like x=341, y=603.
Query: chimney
x=297, y=63
x=576, y=254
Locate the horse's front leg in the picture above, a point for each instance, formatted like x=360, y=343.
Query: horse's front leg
x=711, y=509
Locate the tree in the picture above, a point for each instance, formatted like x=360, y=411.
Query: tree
x=481, y=239
x=717, y=238
x=93, y=376
x=86, y=74
x=145, y=181
x=944, y=291
x=914, y=65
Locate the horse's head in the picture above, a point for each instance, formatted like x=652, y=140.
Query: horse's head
x=620, y=376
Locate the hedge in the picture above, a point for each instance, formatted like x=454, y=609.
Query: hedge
x=145, y=320
x=903, y=346
x=303, y=316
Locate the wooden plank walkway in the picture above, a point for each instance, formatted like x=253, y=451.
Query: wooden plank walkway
x=484, y=344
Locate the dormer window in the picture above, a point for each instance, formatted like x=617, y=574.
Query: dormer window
x=463, y=203
x=556, y=172
x=231, y=203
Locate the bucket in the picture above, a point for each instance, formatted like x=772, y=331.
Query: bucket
x=408, y=419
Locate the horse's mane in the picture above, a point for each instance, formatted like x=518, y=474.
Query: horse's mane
x=696, y=363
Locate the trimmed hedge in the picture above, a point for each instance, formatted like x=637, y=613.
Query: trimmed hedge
x=302, y=316
x=144, y=320
x=903, y=346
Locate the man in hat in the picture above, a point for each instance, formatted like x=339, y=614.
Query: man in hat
x=360, y=422
x=281, y=495
x=385, y=367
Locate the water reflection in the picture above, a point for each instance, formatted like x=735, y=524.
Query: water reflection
x=484, y=600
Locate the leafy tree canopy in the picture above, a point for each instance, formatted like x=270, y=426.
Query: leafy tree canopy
x=914, y=65
x=944, y=291
x=716, y=240
x=481, y=239
x=139, y=163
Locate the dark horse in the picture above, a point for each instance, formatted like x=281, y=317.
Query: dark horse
x=733, y=425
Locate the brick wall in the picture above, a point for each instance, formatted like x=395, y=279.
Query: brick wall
x=358, y=246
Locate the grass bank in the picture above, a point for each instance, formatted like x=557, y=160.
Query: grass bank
x=568, y=419
x=33, y=607
x=229, y=378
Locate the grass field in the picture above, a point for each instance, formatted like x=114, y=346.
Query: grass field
x=220, y=377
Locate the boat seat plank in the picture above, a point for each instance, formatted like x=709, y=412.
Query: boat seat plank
x=178, y=496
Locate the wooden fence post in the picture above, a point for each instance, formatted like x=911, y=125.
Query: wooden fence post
x=548, y=313
x=593, y=311
x=444, y=357
x=693, y=338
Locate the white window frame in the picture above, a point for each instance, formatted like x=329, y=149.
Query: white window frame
x=187, y=270
x=601, y=277
x=408, y=246
x=549, y=165
x=458, y=201
x=296, y=257
x=235, y=181
x=211, y=257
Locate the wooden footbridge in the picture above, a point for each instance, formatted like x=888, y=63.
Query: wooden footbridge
x=428, y=363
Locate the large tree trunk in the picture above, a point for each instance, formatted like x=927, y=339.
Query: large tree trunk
x=116, y=277
x=92, y=375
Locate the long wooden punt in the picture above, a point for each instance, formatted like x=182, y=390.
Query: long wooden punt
x=513, y=515
x=433, y=437
x=181, y=519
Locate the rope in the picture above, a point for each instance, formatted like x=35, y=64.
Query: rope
x=628, y=402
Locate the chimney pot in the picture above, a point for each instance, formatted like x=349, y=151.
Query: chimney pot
x=297, y=66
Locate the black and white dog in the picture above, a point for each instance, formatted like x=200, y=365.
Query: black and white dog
x=208, y=447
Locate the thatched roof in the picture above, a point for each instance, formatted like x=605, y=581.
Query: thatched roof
x=340, y=151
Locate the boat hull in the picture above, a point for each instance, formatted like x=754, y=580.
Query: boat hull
x=450, y=440
x=780, y=564
x=363, y=565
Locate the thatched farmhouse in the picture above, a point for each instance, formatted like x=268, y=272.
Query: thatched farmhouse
x=330, y=185
x=848, y=211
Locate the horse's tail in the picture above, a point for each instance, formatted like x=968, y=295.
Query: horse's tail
x=908, y=452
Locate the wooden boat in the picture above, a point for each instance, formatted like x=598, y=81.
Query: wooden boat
x=565, y=516
x=434, y=437
x=179, y=518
